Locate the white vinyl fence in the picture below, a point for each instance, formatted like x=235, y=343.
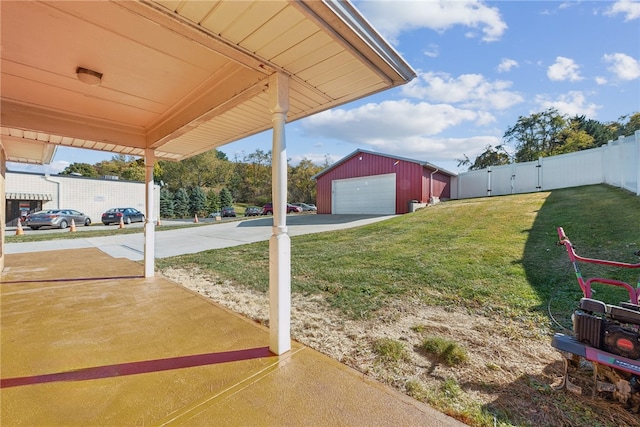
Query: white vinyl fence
x=616, y=164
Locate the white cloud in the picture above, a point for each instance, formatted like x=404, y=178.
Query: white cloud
x=566, y=5
x=52, y=168
x=601, y=80
x=436, y=149
x=623, y=66
x=631, y=9
x=401, y=128
x=433, y=51
x=507, y=64
x=564, y=69
x=392, y=18
x=387, y=120
x=572, y=103
x=469, y=90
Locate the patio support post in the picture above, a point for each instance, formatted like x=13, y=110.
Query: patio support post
x=279, y=243
x=149, y=220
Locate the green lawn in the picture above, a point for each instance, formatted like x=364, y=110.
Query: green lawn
x=495, y=254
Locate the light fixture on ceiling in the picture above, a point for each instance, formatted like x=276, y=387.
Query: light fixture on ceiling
x=90, y=77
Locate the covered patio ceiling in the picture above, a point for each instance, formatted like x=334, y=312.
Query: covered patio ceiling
x=178, y=77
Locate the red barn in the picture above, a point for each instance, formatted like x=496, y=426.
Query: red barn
x=365, y=182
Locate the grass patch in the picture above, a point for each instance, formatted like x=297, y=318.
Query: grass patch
x=445, y=350
x=495, y=255
x=390, y=350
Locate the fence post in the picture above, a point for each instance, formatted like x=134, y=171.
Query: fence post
x=607, y=162
x=540, y=170
x=636, y=140
x=489, y=181
x=621, y=163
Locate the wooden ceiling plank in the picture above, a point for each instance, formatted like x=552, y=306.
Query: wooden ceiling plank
x=195, y=11
x=59, y=123
x=205, y=109
x=252, y=18
x=335, y=64
x=276, y=32
x=309, y=46
x=225, y=16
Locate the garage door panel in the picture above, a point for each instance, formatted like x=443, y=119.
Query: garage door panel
x=374, y=195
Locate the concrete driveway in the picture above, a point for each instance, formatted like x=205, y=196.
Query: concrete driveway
x=199, y=238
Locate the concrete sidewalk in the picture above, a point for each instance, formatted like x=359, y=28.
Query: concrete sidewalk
x=199, y=238
x=90, y=342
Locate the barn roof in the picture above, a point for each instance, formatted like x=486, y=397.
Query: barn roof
x=405, y=159
x=180, y=77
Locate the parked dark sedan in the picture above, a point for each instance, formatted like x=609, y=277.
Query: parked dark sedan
x=59, y=218
x=228, y=211
x=128, y=215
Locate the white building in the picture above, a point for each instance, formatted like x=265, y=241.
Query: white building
x=30, y=192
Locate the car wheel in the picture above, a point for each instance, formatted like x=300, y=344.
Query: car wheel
x=106, y=223
x=63, y=224
x=34, y=228
x=128, y=220
x=87, y=222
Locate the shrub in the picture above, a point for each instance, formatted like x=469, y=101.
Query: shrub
x=390, y=350
x=445, y=350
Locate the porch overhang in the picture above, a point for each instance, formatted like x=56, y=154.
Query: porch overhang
x=170, y=79
x=178, y=77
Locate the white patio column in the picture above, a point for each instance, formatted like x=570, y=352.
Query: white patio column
x=279, y=243
x=149, y=219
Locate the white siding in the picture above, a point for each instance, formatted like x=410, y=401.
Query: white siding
x=88, y=195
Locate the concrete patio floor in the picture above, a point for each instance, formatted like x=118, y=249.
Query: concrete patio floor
x=87, y=341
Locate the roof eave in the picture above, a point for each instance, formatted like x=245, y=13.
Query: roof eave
x=342, y=18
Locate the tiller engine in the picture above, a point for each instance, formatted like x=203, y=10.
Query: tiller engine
x=607, y=336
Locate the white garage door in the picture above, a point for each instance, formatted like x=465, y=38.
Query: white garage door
x=374, y=194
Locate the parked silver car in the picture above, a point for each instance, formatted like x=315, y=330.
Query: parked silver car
x=59, y=218
x=306, y=207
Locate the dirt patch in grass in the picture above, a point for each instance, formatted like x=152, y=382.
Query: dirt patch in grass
x=507, y=379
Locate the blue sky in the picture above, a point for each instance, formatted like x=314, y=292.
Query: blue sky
x=480, y=65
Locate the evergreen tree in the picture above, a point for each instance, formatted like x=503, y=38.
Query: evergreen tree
x=166, y=203
x=225, y=197
x=197, y=202
x=213, y=202
x=181, y=203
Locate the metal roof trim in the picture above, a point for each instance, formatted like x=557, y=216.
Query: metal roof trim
x=359, y=24
x=406, y=159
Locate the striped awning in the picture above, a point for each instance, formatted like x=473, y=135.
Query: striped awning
x=29, y=196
